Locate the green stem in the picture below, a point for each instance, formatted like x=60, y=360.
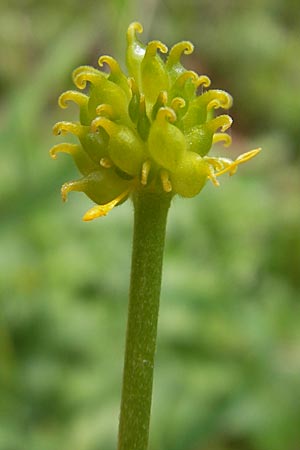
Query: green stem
x=150, y=217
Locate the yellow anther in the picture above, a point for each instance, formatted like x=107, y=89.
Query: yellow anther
x=103, y=210
x=106, y=163
x=216, y=162
x=165, y=181
x=212, y=176
x=240, y=160
x=248, y=155
x=145, y=172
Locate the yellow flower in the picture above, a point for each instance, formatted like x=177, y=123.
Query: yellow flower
x=152, y=130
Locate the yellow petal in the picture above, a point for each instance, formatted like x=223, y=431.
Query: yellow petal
x=103, y=210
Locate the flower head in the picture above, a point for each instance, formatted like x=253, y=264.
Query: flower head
x=152, y=130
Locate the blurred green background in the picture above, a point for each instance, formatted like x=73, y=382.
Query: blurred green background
x=228, y=358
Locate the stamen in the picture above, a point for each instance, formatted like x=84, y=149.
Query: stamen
x=74, y=96
x=166, y=183
x=216, y=162
x=65, y=127
x=240, y=160
x=222, y=137
x=212, y=176
x=106, y=163
x=145, y=172
x=248, y=155
x=103, y=210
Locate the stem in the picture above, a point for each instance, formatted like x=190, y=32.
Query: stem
x=150, y=217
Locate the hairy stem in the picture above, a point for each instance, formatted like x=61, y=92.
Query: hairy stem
x=150, y=217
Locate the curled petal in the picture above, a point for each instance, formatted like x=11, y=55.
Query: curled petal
x=114, y=66
x=222, y=137
x=153, y=46
x=68, y=127
x=223, y=121
x=183, y=47
x=74, y=96
x=134, y=27
x=82, y=69
x=64, y=148
x=177, y=103
x=116, y=75
x=96, y=78
x=166, y=114
x=103, y=210
x=99, y=121
x=202, y=80
x=188, y=75
x=82, y=160
x=106, y=111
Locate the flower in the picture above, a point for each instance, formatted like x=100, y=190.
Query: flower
x=152, y=130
